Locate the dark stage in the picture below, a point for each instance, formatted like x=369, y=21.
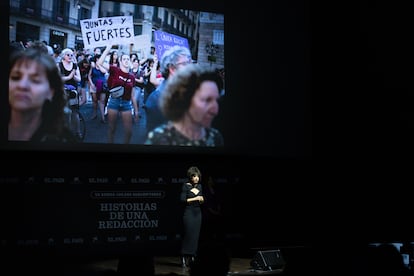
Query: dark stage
x=164, y=265
x=289, y=260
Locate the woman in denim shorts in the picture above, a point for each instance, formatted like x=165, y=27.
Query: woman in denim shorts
x=126, y=104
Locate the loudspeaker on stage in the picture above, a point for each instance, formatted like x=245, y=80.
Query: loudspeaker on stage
x=268, y=260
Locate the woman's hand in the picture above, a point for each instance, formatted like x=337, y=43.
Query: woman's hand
x=200, y=199
x=136, y=115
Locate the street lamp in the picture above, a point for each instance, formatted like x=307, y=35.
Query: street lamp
x=76, y=4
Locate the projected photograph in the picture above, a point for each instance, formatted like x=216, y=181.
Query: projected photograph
x=114, y=73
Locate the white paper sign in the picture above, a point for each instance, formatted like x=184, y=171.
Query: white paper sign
x=99, y=32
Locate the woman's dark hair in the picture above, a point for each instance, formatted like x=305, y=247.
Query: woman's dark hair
x=41, y=46
x=15, y=46
x=181, y=87
x=95, y=58
x=111, y=58
x=53, y=111
x=193, y=171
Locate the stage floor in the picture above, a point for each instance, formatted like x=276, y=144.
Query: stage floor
x=170, y=265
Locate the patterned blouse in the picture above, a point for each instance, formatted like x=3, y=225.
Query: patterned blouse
x=167, y=134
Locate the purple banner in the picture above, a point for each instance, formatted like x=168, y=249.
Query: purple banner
x=163, y=41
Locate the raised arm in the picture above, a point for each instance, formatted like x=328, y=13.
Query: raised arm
x=101, y=60
x=153, y=75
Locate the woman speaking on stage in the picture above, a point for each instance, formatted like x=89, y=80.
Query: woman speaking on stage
x=192, y=197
